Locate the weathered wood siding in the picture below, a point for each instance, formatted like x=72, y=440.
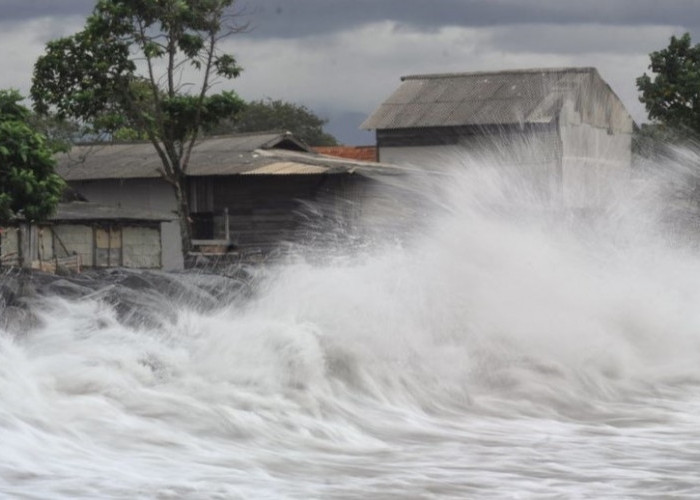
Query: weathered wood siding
x=270, y=212
x=71, y=239
x=9, y=245
x=364, y=209
x=109, y=245
x=264, y=212
x=149, y=194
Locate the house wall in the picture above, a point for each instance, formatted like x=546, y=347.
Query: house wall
x=596, y=157
x=264, y=211
x=532, y=153
x=269, y=212
x=584, y=157
x=133, y=246
x=77, y=239
x=147, y=194
x=171, y=246
x=141, y=247
x=32, y=242
x=45, y=243
x=363, y=208
x=9, y=243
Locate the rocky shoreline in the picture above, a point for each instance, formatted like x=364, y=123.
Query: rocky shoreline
x=138, y=297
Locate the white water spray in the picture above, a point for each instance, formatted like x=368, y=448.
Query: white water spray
x=505, y=351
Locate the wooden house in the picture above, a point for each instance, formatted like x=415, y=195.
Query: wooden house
x=248, y=192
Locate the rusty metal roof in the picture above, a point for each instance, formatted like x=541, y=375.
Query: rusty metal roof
x=250, y=154
x=279, y=162
x=362, y=153
x=484, y=98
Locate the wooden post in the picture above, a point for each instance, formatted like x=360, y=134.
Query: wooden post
x=40, y=245
x=24, y=245
x=227, y=227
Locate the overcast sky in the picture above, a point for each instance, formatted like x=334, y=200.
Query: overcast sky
x=342, y=58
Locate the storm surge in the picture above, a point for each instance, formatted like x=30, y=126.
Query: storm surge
x=505, y=347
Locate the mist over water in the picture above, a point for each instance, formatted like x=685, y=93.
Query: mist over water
x=505, y=348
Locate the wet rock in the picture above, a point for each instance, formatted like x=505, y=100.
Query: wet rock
x=18, y=319
x=140, y=298
x=65, y=288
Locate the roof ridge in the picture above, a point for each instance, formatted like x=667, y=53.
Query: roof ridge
x=234, y=135
x=571, y=69
x=276, y=132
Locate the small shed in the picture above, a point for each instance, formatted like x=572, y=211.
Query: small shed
x=564, y=124
x=82, y=234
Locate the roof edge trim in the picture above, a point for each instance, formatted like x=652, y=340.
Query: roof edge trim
x=582, y=69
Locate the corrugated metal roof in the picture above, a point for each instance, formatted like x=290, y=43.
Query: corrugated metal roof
x=329, y=164
x=287, y=168
x=483, y=98
x=83, y=211
x=259, y=154
x=211, y=156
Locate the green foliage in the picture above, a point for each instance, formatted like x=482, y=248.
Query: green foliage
x=653, y=140
x=92, y=76
x=266, y=115
x=184, y=111
x=673, y=95
x=60, y=134
x=145, y=68
x=181, y=113
x=28, y=185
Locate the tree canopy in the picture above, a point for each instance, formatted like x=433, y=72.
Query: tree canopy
x=672, y=96
x=268, y=114
x=28, y=185
x=147, y=66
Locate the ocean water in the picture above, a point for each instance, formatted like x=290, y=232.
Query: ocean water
x=506, y=349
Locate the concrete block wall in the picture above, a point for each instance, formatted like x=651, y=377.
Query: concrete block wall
x=596, y=161
x=141, y=247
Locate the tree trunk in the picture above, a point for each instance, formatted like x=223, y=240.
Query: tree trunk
x=183, y=213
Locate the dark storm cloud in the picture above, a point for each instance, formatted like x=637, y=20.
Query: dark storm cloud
x=18, y=10
x=578, y=39
x=319, y=52
x=294, y=18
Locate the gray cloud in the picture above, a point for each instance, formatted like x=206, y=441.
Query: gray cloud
x=581, y=38
x=296, y=18
x=28, y=9
x=342, y=58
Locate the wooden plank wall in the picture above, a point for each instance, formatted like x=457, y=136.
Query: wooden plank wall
x=264, y=211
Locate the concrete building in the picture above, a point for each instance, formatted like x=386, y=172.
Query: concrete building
x=248, y=192
x=86, y=235
x=565, y=125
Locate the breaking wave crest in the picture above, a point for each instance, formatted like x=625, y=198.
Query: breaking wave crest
x=399, y=367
